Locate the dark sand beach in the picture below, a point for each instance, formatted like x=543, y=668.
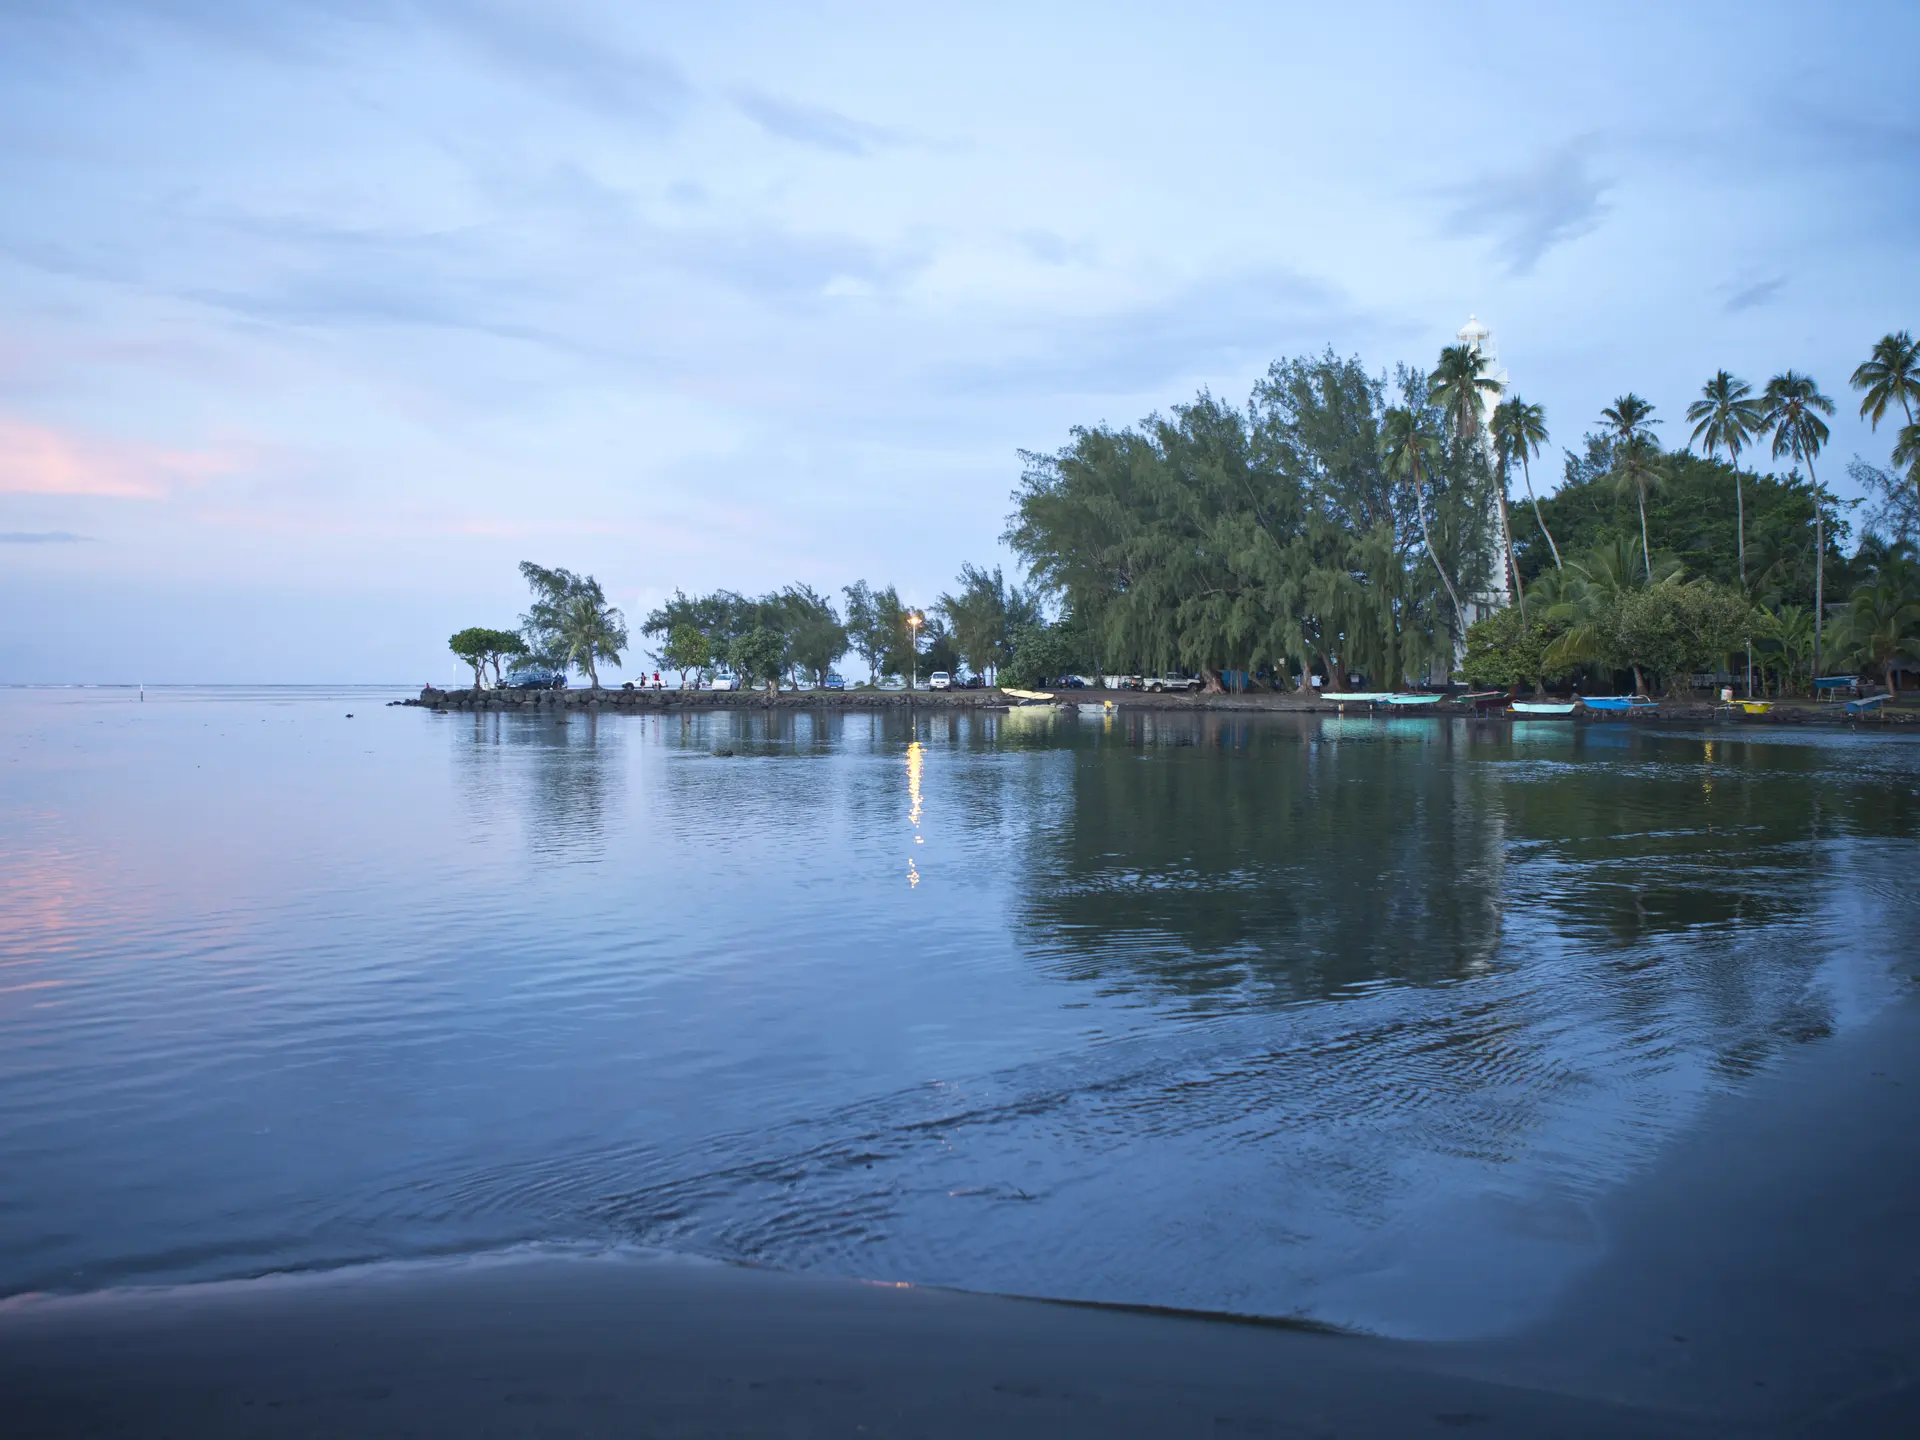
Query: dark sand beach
x=1763, y=1278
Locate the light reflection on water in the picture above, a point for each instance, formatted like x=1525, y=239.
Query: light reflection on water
x=1337, y=1016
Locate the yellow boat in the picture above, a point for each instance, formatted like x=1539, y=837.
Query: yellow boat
x=1027, y=694
x=1756, y=707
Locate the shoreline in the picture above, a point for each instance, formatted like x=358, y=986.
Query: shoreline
x=1688, y=713
x=1762, y=1278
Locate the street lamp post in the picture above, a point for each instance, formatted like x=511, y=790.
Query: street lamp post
x=913, y=644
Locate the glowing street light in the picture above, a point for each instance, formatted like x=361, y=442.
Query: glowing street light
x=913, y=644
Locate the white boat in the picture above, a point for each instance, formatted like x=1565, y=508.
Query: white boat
x=1356, y=697
x=1543, y=707
x=1414, y=699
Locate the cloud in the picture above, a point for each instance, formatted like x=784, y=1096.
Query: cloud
x=1530, y=211
x=535, y=42
x=583, y=64
x=38, y=460
x=1751, y=297
x=815, y=125
x=41, y=537
x=1051, y=249
x=1218, y=326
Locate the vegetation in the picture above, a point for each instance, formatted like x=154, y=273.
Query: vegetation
x=1306, y=529
x=1726, y=417
x=1881, y=624
x=1326, y=529
x=480, y=647
x=1891, y=376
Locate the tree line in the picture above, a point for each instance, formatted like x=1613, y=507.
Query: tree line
x=790, y=636
x=1345, y=523
x=1327, y=529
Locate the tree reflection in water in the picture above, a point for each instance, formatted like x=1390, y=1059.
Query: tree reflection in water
x=1234, y=863
x=553, y=775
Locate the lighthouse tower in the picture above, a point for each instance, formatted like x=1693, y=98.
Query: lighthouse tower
x=1500, y=589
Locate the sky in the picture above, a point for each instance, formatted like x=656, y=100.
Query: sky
x=315, y=319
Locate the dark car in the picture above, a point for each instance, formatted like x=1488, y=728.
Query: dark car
x=536, y=680
x=1071, y=682
x=974, y=682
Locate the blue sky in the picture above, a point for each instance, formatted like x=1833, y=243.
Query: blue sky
x=315, y=319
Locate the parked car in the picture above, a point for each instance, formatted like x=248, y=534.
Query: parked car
x=536, y=680
x=1157, y=683
x=1070, y=682
x=974, y=682
x=724, y=682
x=833, y=682
x=940, y=680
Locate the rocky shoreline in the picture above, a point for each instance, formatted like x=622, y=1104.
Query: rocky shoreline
x=1688, y=712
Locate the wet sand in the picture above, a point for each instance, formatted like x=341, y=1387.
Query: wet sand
x=1762, y=1279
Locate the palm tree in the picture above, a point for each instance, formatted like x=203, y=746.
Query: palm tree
x=1906, y=451
x=1520, y=430
x=1457, y=385
x=1788, y=631
x=1726, y=417
x=1881, y=625
x=1585, y=595
x=1406, y=443
x=1630, y=421
x=1794, y=407
x=590, y=630
x=1892, y=373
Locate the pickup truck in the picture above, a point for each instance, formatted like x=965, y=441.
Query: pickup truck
x=1158, y=683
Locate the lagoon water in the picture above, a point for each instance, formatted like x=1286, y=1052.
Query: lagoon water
x=1350, y=1019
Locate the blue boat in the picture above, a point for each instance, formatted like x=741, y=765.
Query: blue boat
x=1619, y=702
x=1868, y=706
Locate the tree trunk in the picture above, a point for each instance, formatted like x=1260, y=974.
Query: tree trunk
x=1426, y=536
x=1819, y=567
x=1639, y=682
x=1740, y=521
x=1539, y=519
x=1646, y=552
x=1210, y=682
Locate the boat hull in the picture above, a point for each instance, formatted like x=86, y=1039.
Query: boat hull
x=1618, y=703
x=1541, y=707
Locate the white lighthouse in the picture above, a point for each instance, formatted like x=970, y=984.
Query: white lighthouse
x=1499, y=592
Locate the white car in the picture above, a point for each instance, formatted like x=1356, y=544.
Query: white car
x=939, y=680
x=724, y=682
x=1156, y=683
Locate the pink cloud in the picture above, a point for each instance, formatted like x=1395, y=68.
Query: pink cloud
x=38, y=460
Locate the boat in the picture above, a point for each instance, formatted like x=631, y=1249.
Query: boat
x=1868, y=706
x=1355, y=697
x=1755, y=707
x=1619, y=702
x=1027, y=695
x=1484, y=700
x=1406, y=700
x=1543, y=707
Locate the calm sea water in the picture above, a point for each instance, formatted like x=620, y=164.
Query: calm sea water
x=1344, y=1018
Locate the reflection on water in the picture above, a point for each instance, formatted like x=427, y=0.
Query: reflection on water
x=1340, y=1016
